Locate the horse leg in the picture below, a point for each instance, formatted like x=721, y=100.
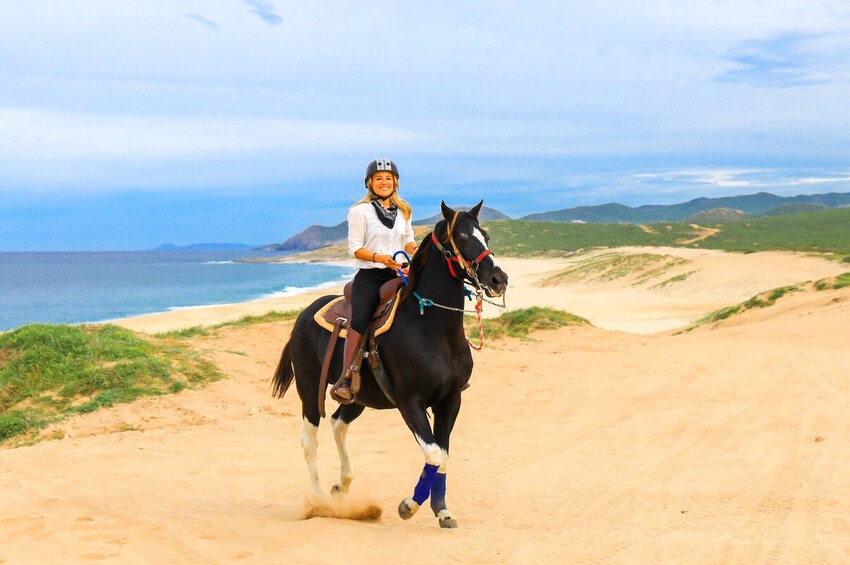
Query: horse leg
x=307, y=368
x=445, y=415
x=310, y=444
x=341, y=419
x=417, y=421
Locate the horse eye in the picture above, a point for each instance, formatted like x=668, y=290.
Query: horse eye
x=463, y=237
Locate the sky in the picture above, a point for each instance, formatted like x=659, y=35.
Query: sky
x=125, y=125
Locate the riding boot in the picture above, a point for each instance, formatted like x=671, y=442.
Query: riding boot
x=341, y=391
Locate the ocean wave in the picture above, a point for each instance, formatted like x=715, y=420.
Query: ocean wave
x=285, y=292
x=296, y=290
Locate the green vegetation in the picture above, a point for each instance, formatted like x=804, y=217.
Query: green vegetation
x=841, y=281
x=244, y=321
x=794, y=208
x=673, y=280
x=48, y=372
x=519, y=323
x=823, y=231
x=517, y=238
x=762, y=300
x=612, y=266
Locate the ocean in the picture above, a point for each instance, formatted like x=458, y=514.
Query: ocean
x=75, y=287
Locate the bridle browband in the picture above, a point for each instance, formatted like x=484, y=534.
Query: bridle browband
x=455, y=255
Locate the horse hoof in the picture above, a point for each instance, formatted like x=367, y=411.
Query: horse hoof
x=446, y=519
x=407, y=508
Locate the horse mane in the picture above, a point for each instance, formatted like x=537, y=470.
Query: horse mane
x=417, y=263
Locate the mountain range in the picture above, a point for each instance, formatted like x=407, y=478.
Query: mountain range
x=727, y=208
x=754, y=204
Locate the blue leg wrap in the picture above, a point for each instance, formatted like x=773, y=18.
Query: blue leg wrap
x=438, y=493
x=426, y=482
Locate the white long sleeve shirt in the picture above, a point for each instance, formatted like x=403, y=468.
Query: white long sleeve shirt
x=365, y=230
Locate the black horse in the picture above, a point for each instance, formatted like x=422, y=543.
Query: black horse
x=425, y=354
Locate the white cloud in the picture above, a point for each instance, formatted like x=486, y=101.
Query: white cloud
x=46, y=134
x=819, y=180
x=497, y=81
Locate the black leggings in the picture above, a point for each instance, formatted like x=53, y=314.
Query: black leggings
x=364, y=295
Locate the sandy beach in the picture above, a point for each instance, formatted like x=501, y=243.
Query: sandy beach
x=624, y=442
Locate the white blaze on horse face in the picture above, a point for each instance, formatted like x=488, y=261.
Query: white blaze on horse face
x=477, y=234
x=433, y=452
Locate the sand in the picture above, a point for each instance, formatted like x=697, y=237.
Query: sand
x=619, y=443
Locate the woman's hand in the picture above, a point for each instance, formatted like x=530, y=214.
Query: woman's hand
x=387, y=260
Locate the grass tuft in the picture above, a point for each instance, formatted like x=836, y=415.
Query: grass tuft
x=244, y=321
x=49, y=372
x=520, y=323
x=841, y=281
x=763, y=300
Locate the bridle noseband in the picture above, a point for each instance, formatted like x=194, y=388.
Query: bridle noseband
x=470, y=267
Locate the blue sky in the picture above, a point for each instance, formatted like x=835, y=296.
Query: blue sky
x=124, y=125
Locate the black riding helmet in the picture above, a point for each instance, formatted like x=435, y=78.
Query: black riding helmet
x=379, y=165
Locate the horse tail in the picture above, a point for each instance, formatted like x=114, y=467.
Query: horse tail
x=283, y=374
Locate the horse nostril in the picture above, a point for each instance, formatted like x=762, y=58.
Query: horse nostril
x=499, y=279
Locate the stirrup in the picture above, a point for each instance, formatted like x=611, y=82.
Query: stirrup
x=342, y=399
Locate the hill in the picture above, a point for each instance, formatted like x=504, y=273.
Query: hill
x=827, y=230
x=485, y=214
x=717, y=215
x=314, y=237
x=794, y=207
x=754, y=204
x=699, y=210
x=317, y=237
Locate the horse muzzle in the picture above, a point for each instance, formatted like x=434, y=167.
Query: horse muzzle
x=495, y=283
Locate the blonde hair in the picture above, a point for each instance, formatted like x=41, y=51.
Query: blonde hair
x=394, y=199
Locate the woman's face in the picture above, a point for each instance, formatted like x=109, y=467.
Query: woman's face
x=383, y=184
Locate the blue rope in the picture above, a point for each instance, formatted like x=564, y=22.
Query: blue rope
x=423, y=302
x=399, y=271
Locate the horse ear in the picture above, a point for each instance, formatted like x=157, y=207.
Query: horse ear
x=448, y=213
x=476, y=209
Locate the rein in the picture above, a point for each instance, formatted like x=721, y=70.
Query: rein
x=470, y=268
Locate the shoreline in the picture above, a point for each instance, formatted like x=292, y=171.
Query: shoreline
x=726, y=444
x=710, y=280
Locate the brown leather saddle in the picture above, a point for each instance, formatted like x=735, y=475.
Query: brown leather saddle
x=335, y=317
x=340, y=309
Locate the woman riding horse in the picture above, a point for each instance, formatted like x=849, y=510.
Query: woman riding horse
x=425, y=355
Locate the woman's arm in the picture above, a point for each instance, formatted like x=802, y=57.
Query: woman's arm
x=410, y=248
x=387, y=260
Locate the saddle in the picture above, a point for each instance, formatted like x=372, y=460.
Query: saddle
x=335, y=317
x=340, y=308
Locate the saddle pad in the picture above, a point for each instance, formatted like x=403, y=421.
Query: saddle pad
x=319, y=318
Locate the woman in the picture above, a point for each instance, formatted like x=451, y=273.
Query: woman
x=375, y=233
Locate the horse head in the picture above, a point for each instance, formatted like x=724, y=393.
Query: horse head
x=469, y=243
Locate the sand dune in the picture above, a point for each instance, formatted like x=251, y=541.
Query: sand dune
x=582, y=445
